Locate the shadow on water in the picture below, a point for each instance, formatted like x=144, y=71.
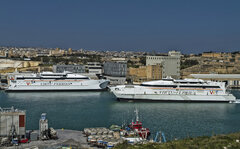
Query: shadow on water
x=35, y=96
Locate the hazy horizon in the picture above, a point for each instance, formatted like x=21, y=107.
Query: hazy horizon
x=136, y=50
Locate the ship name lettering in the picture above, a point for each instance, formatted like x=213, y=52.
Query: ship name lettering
x=177, y=92
x=55, y=84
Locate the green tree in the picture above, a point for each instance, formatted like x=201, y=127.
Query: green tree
x=143, y=60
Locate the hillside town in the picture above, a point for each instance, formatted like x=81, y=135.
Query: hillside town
x=123, y=67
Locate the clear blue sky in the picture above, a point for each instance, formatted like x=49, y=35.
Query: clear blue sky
x=191, y=26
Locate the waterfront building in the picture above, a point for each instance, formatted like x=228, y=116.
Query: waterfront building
x=70, y=68
x=145, y=73
x=137, y=74
x=115, y=69
x=115, y=72
x=154, y=72
x=94, y=67
x=12, y=121
x=170, y=64
x=232, y=80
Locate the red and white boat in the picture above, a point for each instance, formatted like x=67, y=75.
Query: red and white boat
x=138, y=128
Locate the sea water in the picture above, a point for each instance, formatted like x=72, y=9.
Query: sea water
x=78, y=110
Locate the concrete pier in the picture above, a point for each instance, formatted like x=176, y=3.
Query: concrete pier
x=66, y=138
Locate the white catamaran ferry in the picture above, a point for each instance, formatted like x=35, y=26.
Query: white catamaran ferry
x=48, y=81
x=187, y=90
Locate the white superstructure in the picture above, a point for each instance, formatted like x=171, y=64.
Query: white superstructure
x=48, y=81
x=186, y=90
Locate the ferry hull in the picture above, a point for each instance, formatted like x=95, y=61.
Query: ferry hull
x=187, y=90
x=56, y=90
x=176, y=98
x=89, y=85
x=175, y=101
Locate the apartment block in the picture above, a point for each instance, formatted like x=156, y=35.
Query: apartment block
x=170, y=64
x=70, y=68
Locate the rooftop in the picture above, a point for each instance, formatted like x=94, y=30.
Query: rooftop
x=222, y=76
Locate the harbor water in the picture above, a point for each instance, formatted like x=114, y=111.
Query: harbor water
x=78, y=110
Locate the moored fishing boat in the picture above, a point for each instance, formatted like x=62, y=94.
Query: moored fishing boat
x=104, y=137
x=138, y=128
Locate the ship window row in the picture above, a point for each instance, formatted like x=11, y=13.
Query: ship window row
x=53, y=75
x=174, y=86
x=189, y=82
x=195, y=86
x=181, y=86
x=53, y=78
